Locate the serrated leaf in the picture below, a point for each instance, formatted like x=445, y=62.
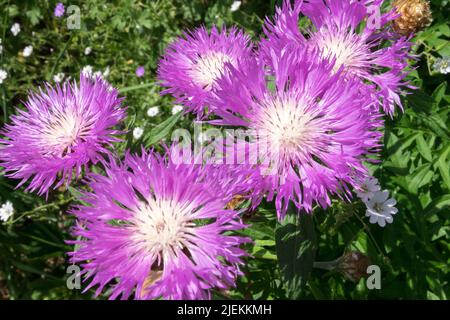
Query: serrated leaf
x=423, y=148
x=444, y=166
x=439, y=92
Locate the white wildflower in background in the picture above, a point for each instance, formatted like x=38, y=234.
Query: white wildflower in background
x=3, y=75
x=6, y=211
x=442, y=65
x=368, y=189
x=58, y=77
x=27, y=51
x=106, y=72
x=87, y=51
x=153, y=111
x=87, y=71
x=15, y=29
x=137, y=133
x=380, y=209
x=177, y=108
x=235, y=6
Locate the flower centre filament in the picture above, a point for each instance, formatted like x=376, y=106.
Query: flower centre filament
x=345, y=48
x=287, y=127
x=163, y=226
x=63, y=132
x=208, y=68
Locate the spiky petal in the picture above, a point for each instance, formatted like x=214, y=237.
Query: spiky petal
x=312, y=127
x=352, y=33
x=62, y=130
x=156, y=228
x=192, y=64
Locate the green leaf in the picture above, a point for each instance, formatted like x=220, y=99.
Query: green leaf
x=161, y=130
x=444, y=166
x=437, y=125
x=423, y=148
x=78, y=195
x=439, y=93
x=296, y=249
x=437, y=205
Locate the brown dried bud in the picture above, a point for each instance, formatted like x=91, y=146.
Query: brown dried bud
x=353, y=265
x=415, y=15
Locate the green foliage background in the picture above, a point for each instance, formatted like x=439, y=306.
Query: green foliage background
x=413, y=253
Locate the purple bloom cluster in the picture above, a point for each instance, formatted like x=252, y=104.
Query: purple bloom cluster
x=160, y=226
x=193, y=64
x=157, y=228
x=63, y=130
x=315, y=126
x=352, y=33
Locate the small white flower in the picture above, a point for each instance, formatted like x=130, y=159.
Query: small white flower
x=380, y=209
x=137, y=133
x=3, y=75
x=153, y=111
x=442, y=65
x=106, y=72
x=15, y=29
x=235, y=6
x=368, y=188
x=58, y=77
x=6, y=211
x=27, y=51
x=87, y=51
x=177, y=108
x=87, y=71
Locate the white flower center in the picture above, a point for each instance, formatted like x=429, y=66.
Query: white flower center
x=346, y=48
x=163, y=226
x=208, y=68
x=63, y=132
x=287, y=127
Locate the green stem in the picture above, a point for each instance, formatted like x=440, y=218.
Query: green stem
x=137, y=87
x=371, y=237
x=40, y=208
x=60, y=56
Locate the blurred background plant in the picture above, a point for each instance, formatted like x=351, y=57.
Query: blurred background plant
x=123, y=41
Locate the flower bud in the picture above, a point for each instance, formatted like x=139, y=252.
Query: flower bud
x=415, y=15
x=353, y=265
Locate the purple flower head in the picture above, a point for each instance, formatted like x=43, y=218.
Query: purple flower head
x=156, y=228
x=312, y=127
x=59, y=10
x=192, y=64
x=351, y=33
x=62, y=130
x=140, y=71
